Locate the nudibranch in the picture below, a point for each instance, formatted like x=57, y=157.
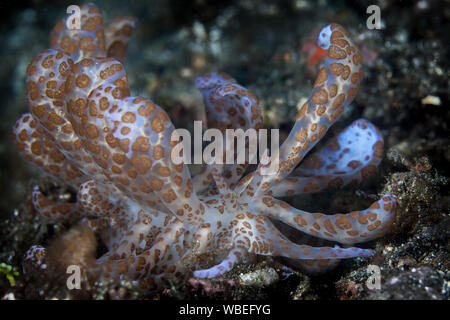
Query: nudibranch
x=158, y=223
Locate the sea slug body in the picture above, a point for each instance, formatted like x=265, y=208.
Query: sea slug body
x=157, y=222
